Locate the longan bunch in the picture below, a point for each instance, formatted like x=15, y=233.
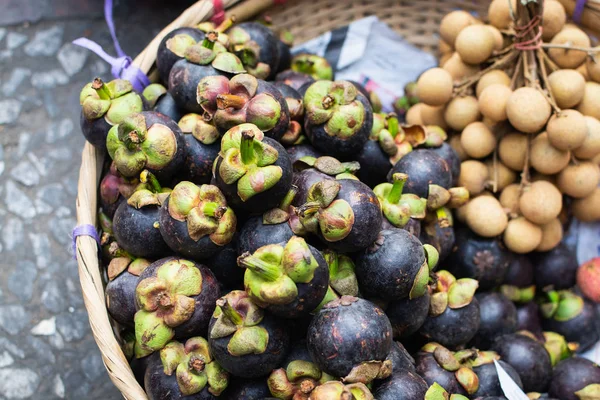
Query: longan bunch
x=522, y=105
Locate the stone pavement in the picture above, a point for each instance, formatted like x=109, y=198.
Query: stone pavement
x=46, y=347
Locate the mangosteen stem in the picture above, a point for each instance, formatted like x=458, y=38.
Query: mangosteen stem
x=210, y=39
x=305, y=66
x=328, y=102
x=309, y=208
x=153, y=183
x=393, y=124
x=267, y=271
x=247, y=147
x=307, y=386
x=231, y=313
x=214, y=210
x=289, y=197
x=225, y=24
x=442, y=216
x=100, y=88
x=230, y=100
x=196, y=364
x=398, y=185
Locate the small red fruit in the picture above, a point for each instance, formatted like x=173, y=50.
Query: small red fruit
x=588, y=279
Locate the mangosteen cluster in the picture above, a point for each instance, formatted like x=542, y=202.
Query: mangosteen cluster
x=268, y=232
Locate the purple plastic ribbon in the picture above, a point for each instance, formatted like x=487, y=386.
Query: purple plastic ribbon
x=578, y=12
x=121, y=66
x=84, y=230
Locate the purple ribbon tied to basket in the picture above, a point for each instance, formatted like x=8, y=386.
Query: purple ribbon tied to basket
x=84, y=230
x=578, y=12
x=121, y=66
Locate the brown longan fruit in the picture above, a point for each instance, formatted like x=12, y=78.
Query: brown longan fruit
x=588, y=208
x=579, y=180
x=554, y=19
x=461, y=111
x=593, y=69
x=499, y=13
x=434, y=87
x=413, y=115
x=458, y=68
x=582, y=69
x=493, y=100
x=475, y=44
x=477, y=140
x=444, y=58
x=433, y=115
x=521, y=236
x=454, y=142
x=453, y=23
x=565, y=58
x=498, y=38
x=567, y=130
x=567, y=85
x=538, y=176
x=512, y=150
x=591, y=145
x=590, y=103
x=552, y=234
x=474, y=176
x=444, y=47
x=506, y=176
x=493, y=77
x=546, y=158
x=528, y=110
x=485, y=216
x=541, y=202
x=509, y=198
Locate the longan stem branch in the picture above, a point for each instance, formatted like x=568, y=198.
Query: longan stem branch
x=551, y=64
x=589, y=50
x=517, y=73
x=468, y=82
x=548, y=93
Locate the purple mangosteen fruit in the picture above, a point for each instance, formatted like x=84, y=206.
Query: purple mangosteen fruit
x=295, y=105
x=256, y=45
x=158, y=99
x=427, y=172
x=556, y=268
x=408, y=315
x=498, y=316
x=172, y=49
x=202, y=147
x=123, y=276
x=575, y=379
x=297, y=151
x=402, y=385
x=114, y=189
x=246, y=389
x=489, y=384
x=294, y=79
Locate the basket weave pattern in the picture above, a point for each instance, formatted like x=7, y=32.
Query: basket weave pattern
x=417, y=21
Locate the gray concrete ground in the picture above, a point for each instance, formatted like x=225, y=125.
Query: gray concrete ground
x=46, y=347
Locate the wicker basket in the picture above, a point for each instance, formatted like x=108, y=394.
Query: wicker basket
x=416, y=20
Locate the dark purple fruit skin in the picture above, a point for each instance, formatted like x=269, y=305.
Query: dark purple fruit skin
x=449, y=155
x=413, y=226
x=224, y=266
x=165, y=58
x=402, y=385
x=310, y=294
x=166, y=175
x=336, y=147
x=183, y=83
x=528, y=319
x=138, y=367
x=443, y=239
x=246, y=389
x=498, y=316
x=360, y=88
x=454, y=327
x=285, y=56
x=431, y=371
x=489, y=385
x=95, y=130
x=175, y=233
x=583, y=329
x=298, y=352
x=204, y=302
x=557, y=268
x=135, y=232
x=253, y=365
x=367, y=217
x=374, y=164
x=407, y=316
x=254, y=234
x=473, y=256
x=571, y=375
x=266, y=200
x=342, y=337
x=528, y=357
x=423, y=167
x=298, y=151
x=387, y=269
x=400, y=358
x=287, y=91
x=294, y=79
x=160, y=386
x=264, y=37
x=303, y=180
x=120, y=298
x=166, y=105
x=520, y=272
x=199, y=160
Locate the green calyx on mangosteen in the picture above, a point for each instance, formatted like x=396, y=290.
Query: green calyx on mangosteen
x=336, y=390
x=299, y=378
x=329, y=166
x=256, y=46
x=311, y=64
x=202, y=130
x=397, y=207
x=211, y=52
x=123, y=272
x=557, y=347
x=342, y=277
x=451, y=293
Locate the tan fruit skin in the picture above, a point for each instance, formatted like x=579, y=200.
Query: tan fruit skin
x=554, y=19
x=490, y=78
x=588, y=208
x=458, y=68
x=475, y=44
x=477, y=140
x=593, y=69
x=434, y=87
x=499, y=13
x=452, y=24
x=541, y=202
x=486, y=217
x=493, y=101
x=512, y=150
x=579, y=180
x=590, y=104
x=461, y=111
x=588, y=279
x=528, y=110
x=509, y=198
x=473, y=176
x=521, y=236
x=413, y=115
x=506, y=176
x=574, y=37
x=454, y=141
x=546, y=158
x=552, y=234
x=567, y=130
x=591, y=145
x=567, y=86
x=433, y=115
